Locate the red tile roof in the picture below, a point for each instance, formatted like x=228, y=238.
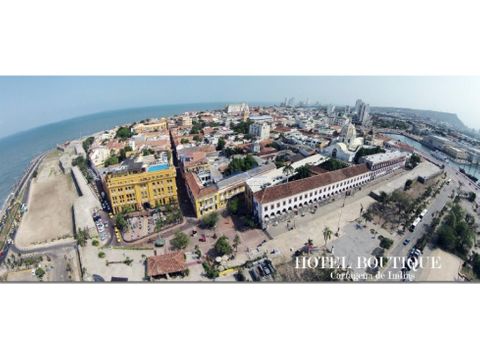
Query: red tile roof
x=282, y=129
x=166, y=264
x=196, y=188
x=281, y=191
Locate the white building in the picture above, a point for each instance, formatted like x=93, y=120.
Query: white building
x=237, y=108
x=98, y=155
x=339, y=151
x=384, y=163
x=348, y=136
x=271, y=202
x=260, y=130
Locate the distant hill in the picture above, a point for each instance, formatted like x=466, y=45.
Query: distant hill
x=436, y=116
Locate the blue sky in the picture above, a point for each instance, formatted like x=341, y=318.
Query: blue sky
x=27, y=102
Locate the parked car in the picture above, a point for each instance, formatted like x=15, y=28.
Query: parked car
x=406, y=242
x=266, y=270
x=203, y=238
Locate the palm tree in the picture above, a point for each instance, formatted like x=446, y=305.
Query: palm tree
x=236, y=242
x=288, y=170
x=327, y=234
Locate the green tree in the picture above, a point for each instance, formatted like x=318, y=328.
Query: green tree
x=333, y=164
x=148, y=151
x=180, y=241
x=184, y=141
x=288, y=171
x=383, y=197
x=236, y=241
x=210, y=220
x=367, y=151
x=112, y=160
x=196, y=138
x=242, y=127
x=472, y=196
x=386, y=243
x=476, y=264
x=221, y=144
x=446, y=238
x=222, y=246
x=120, y=221
x=413, y=161
x=123, y=153
x=123, y=133
x=233, y=205
x=87, y=143
x=39, y=273
x=81, y=236
x=238, y=165
x=327, y=234
x=302, y=172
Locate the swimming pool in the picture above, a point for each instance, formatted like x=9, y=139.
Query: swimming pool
x=157, y=167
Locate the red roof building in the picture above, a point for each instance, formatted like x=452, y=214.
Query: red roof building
x=166, y=264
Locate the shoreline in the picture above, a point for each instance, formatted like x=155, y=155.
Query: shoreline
x=21, y=185
x=23, y=181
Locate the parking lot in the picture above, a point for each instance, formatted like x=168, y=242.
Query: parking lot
x=261, y=270
x=139, y=227
x=104, y=227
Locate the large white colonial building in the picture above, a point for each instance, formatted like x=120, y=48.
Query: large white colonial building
x=274, y=201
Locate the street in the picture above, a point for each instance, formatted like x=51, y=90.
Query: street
x=435, y=206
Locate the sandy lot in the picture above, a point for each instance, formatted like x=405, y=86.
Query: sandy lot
x=450, y=265
x=94, y=265
x=22, y=276
x=49, y=215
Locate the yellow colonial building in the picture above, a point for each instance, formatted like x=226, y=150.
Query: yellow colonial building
x=141, y=184
x=152, y=125
x=215, y=197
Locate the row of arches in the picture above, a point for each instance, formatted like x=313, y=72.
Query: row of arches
x=318, y=199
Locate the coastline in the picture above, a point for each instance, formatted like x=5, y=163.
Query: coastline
x=23, y=181
x=23, y=147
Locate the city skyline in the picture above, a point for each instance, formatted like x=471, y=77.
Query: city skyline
x=29, y=102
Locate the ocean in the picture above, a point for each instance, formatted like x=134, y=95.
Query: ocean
x=19, y=149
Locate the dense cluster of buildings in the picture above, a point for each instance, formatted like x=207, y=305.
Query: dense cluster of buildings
x=239, y=152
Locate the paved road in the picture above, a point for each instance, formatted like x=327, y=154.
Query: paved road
x=435, y=206
x=43, y=249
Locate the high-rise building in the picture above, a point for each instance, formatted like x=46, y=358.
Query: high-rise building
x=358, y=104
x=363, y=114
x=330, y=110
